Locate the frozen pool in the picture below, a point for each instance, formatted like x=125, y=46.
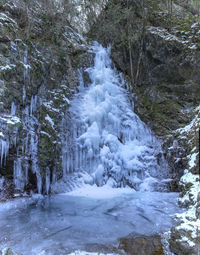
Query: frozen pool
x=62, y=223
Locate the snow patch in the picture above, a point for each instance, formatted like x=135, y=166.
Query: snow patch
x=45, y=133
x=78, y=252
x=193, y=158
x=163, y=33
x=104, y=192
x=49, y=119
x=7, y=67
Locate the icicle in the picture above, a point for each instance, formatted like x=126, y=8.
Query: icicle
x=13, y=109
x=33, y=105
x=81, y=82
x=26, y=166
x=24, y=94
x=54, y=177
x=18, y=175
x=47, y=181
x=4, y=149
x=39, y=182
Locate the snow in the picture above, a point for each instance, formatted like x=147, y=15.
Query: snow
x=5, y=18
x=189, y=177
x=26, y=66
x=185, y=239
x=49, y=119
x=193, y=47
x=14, y=120
x=163, y=33
x=78, y=252
x=104, y=192
x=45, y=133
x=189, y=226
x=192, y=193
x=66, y=99
x=193, y=158
x=193, y=124
x=49, y=106
x=195, y=25
x=7, y=67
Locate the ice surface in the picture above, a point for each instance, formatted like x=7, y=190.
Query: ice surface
x=64, y=223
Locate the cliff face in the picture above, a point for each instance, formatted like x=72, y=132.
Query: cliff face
x=156, y=45
x=159, y=51
x=40, y=54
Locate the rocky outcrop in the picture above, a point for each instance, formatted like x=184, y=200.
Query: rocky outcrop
x=143, y=245
x=39, y=61
x=185, y=236
x=160, y=55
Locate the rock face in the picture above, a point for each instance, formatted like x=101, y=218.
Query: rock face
x=143, y=245
x=40, y=54
x=185, y=236
x=161, y=59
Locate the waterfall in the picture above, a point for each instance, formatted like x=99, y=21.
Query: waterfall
x=105, y=138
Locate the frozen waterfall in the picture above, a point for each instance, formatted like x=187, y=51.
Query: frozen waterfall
x=106, y=138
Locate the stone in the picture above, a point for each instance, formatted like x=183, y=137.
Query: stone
x=143, y=245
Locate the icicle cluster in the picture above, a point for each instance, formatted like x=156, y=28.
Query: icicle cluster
x=4, y=149
x=27, y=154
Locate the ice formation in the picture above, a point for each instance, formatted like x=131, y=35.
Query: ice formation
x=107, y=139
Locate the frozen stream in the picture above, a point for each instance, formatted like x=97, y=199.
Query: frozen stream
x=62, y=223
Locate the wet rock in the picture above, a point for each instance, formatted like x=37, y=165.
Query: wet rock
x=182, y=243
x=143, y=245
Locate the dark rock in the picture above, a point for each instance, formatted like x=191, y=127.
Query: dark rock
x=143, y=245
x=179, y=247
x=4, y=39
